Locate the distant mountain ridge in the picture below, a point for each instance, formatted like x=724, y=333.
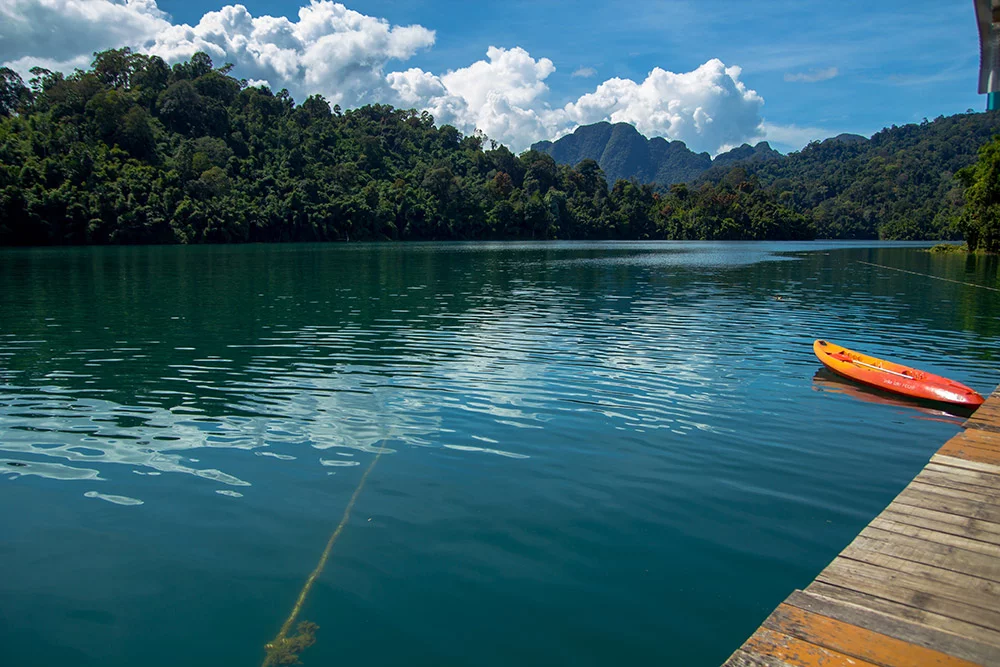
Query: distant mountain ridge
x=624, y=153
x=898, y=184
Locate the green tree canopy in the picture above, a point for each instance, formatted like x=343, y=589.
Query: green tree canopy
x=134, y=151
x=981, y=218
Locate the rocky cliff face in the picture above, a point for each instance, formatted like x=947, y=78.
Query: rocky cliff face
x=622, y=152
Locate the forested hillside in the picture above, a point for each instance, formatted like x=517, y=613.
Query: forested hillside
x=135, y=151
x=980, y=220
x=899, y=185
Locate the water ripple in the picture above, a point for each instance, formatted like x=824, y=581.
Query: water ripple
x=117, y=500
x=679, y=351
x=578, y=426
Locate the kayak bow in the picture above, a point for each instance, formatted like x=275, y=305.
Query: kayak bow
x=894, y=377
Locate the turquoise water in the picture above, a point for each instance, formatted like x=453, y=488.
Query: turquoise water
x=593, y=453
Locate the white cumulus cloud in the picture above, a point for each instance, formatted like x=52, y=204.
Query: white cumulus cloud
x=331, y=50
x=502, y=96
x=349, y=58
x=62, y=34
x=708, y=108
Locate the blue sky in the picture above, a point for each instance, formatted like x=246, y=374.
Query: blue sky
x=817, y=70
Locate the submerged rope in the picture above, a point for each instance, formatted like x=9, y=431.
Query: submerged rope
x=927, y=275
x=283, y=650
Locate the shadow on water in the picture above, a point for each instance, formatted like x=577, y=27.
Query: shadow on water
x=826, y=380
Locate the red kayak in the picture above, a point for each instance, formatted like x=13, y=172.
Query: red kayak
x=894, y=377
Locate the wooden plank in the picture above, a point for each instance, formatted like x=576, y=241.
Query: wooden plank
x=986, y=413
x=797, y=652
x=964, y=440
x=958, y=627
x=856, y=641
x=981, y=438
x=937, y=536
x=967, y=605
x=970, y=476
x=943, y=459
x=969, y=453
x=981, y=424
x=941, y=521
x=957, y=481
x=935, y=505
x=743, y=659
x=985, y=408
x=931, y=498
x=991, y=480
x=987, y=417
x=991, y=477
x=864, y=580
x=975, y=497
x=978, y=438
x=957, y=478
x=929, y=553
x=933, y=501
x=983, y=587
x=898, y=628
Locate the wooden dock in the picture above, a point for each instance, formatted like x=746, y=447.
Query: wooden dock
x=919, y=586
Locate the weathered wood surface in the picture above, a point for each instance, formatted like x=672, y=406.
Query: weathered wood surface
x=987, y=417
x=920, y=585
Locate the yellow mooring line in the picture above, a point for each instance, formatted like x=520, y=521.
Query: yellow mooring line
x=284, y=650
x=927, y=275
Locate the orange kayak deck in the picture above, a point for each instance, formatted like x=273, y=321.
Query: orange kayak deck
x=893, y=377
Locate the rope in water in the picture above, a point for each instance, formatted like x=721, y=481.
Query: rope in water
x=282, y=645
x=927, y=275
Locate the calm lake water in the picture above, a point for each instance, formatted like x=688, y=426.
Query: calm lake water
x=594, y=454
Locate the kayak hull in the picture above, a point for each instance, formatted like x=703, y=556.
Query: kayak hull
x=894, y=377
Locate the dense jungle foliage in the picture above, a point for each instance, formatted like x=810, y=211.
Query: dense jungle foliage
x=980, y=222
x=135, y=151
x=900, y=184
